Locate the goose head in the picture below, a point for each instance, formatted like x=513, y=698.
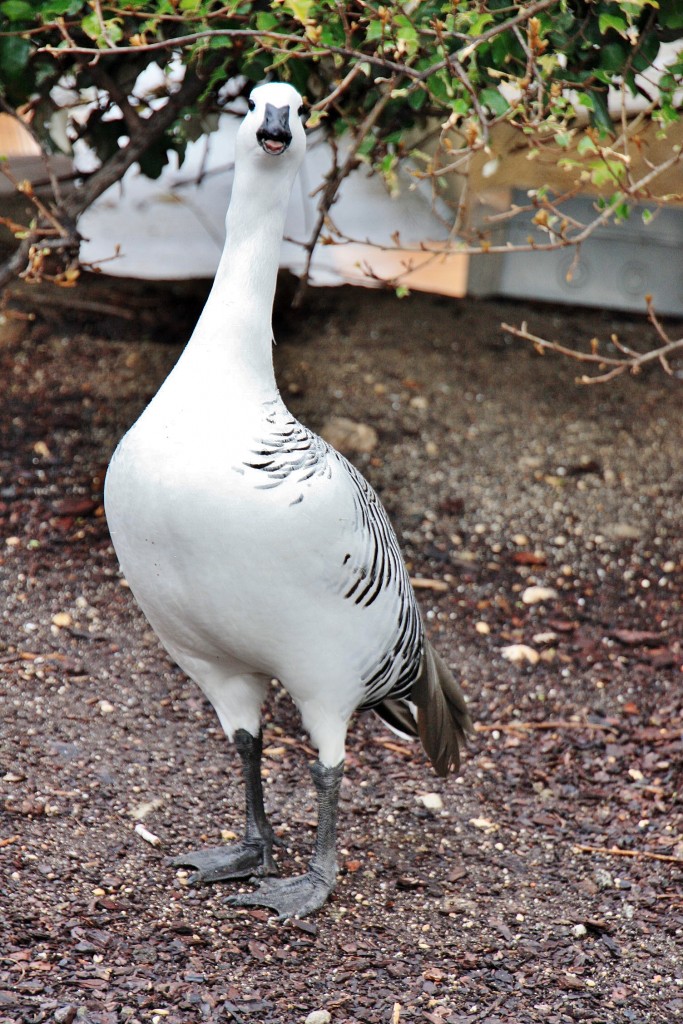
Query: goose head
x=272, y=130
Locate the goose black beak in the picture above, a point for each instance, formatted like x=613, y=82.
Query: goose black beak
x=274, y=135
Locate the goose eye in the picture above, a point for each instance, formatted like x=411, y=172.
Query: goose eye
x=251, y=104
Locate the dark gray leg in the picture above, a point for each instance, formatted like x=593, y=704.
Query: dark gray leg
x=254, y=854
x=296, y=897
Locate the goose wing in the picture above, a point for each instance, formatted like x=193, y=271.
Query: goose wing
x=370, y=572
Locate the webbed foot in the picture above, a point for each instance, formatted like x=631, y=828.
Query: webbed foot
x=237, y=860
x=289, y=897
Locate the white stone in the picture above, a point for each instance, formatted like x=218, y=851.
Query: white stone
x=319, y=1017
x=535, y=595
x=519, y=653
x=348, y=436
x=432, y=801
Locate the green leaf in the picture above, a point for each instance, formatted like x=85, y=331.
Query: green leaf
x=613, y=57
x=440, y=86
x=266, y=21
x=104, y=33
x=417, y=99
x=495, y=101
x=671, y=14
x=154, y=160
x=17, y=10
x=586, y=145
x=619, y=206
x=606, y=172
x=601, y=116
x=612, y=21
x=647, y=53
x=332, y=33
x=407, y=34
x=57, y=9
x=300, y=9
x=14, y=57
x=676, y=66
x=374, y=31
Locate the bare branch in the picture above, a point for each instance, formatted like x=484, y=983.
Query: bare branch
x=336, y=176
x=134, y=123
x=629, y=360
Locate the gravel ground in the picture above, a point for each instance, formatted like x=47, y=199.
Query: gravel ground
x=538, y=515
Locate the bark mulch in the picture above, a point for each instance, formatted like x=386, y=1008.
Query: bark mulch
x=544, y=884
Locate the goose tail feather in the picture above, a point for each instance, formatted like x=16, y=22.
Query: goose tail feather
x=398, y=716
x=443, y=721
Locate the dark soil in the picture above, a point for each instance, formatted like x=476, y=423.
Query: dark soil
x=545, y=885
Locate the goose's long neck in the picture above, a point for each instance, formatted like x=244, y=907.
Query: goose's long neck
x=233, y=338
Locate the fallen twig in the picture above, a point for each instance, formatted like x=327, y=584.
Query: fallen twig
x=529, y=726
x=148, y=836
x=615, y=851
x=421, y=583
x=394, y=747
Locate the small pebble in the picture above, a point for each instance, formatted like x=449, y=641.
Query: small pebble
x=535, y=595
x=432, y=801
x=623, y=531
x=348, y=436
x=62, y=619
x=519, y=653
x=319, y=1017
x=604, y=879
x=65, y=1014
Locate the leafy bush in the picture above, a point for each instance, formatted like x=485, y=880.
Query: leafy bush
x=422, y=86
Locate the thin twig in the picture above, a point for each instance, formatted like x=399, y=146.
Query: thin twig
x=134, y=123
x=336, y=177
x=327, y=101
x=615, y=851
x=551, y=725
x=632, y=362
x=460, y=73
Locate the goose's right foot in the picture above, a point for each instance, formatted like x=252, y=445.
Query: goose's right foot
x=247, y=859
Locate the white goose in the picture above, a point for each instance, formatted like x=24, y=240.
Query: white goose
x=257, y=551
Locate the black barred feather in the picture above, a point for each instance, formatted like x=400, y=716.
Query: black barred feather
x=377, y=566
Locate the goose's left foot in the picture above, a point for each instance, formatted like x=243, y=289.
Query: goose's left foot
x=296, y=897
x=289, y=897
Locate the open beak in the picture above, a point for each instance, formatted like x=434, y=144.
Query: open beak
x=274, y=135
